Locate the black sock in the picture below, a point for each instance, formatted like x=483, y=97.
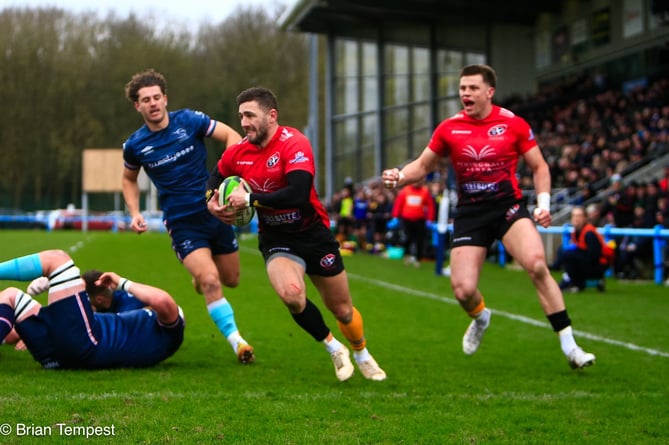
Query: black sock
x=559, y=320
x=311, y=320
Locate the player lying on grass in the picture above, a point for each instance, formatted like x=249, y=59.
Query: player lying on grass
x=67, y=333
x=102, y=298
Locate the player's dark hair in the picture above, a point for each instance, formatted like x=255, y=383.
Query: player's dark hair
x=488, y=74
x=90, y=277
x=265, y=98
x=147, y=78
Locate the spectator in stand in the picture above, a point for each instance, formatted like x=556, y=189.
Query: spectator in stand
x=620, y=203
x=414, y=206
x=360, y=220
x=586, y=257
x=345, y=215
x=379, y=213
x=651, y=202
x=664, y=181
x=635, y=251
x=606, y=131
x=594, y=214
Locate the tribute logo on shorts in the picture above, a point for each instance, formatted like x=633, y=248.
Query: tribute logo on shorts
x=510, y=213
x=328, y=261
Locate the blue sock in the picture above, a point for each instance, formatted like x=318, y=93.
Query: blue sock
x=24, y=268
x=221, y=312
x=7, y=320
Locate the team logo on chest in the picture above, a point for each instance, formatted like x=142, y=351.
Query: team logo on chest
x=181, y=134
x=497, y=130
x=273, y=160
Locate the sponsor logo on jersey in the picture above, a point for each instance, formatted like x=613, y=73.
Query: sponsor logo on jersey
x=328, y=261
x=480, y=187
x=531, y=136
x=285, y=135
x=485, y=152
x=273, y=160
x=278, y=249
x=146, y=150
x=244, y=162
x=299, y=158
x=278, y=219
x=497, y=130
x=171, y=158
x=461, y=132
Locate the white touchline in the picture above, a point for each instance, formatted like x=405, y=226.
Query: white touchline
x=521, y=318
x=509, y=315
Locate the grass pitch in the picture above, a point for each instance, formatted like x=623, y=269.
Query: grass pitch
x=517, y=389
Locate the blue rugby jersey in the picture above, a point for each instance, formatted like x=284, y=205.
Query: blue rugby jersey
x=175, y=159
x=123, y=301
x=68, y=334
x=133, y=339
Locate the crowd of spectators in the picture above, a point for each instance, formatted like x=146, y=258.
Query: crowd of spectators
x=592, y=135
x=589, y=131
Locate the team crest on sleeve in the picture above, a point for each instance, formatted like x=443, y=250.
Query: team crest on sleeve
x=273, y=160
x=299, y=158
x=328, y=261
x=497, y=130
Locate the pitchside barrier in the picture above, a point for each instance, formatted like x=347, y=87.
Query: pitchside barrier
x=57, y=220
x=658, y=233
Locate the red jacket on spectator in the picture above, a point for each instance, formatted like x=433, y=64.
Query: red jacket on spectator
x=414, y=203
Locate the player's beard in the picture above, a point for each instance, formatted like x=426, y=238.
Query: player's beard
x=261, y=133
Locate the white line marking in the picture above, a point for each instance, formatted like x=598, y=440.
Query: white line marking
x=509, y=315
x=521, y=318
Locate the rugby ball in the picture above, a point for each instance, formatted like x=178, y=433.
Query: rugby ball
x=229, y=184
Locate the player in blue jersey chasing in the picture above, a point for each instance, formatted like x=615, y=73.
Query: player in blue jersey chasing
x=67, y=333
x=170, y=148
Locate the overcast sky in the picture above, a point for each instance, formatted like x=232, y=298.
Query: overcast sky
x=189, y=12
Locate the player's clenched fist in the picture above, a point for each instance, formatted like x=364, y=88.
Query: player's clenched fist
x=392, y=177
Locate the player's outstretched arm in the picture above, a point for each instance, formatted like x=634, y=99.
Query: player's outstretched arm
x=226, y=134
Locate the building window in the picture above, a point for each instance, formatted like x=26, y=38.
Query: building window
x=408, y=99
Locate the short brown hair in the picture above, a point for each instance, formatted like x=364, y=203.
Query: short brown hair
x=265, y=98
x=146, y=78
x=488, y=74
x=92, y=289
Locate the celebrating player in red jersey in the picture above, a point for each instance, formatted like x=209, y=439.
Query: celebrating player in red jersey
x=484, y=143
x=294, y=228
